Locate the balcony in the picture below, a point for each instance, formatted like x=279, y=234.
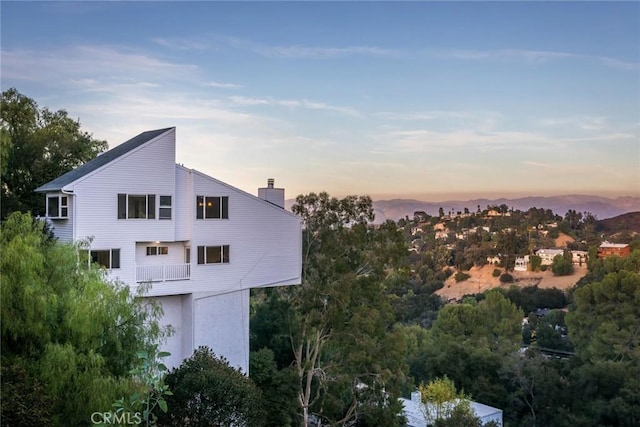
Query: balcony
x=162, y=273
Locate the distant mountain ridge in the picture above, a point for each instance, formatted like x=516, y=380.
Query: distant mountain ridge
x=601, y=207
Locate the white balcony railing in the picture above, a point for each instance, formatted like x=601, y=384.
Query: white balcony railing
x=162, y=273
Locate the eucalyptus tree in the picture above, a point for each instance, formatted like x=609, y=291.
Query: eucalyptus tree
x=347, y=354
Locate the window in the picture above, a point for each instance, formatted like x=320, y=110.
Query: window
x=157, y=250
x=109, y=258
x=58, y=207
x=213, y=254
x=165, y=207
x=212, y=207
x=139, y=206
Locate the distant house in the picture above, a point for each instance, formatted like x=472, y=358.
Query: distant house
x=420, y=415
x=522, y=263
x=493, y=260
x=579, y=257
x=547, y=255
x=202, y=243
x=442, y=234
x=607, y=249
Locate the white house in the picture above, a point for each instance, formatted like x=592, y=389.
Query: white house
x=547, y=255
x=420, y=415
x=202, y=243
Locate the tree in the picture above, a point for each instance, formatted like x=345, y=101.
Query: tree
x=440, y=398
x=279, y=388
x=208, y=391
x=348, y=356
x=68, y=330
x=468, y=343
x=38, y=145
x=605, y=324
x=562, y=265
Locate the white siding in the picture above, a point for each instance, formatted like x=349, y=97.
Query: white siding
x=178, y=314
x=222, y=324
x=184, y=203
x=212, y=307
x=63, y=228
x=264, y=240
x=148, y=170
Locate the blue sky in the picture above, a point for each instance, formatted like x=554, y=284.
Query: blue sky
x=431, y=100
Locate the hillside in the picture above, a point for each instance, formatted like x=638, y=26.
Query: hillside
x=629, y=222
x=482, y=280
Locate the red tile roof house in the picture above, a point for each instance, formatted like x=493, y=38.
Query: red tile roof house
x=202, y=243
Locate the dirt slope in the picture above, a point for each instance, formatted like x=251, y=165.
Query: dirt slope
x=482, y=280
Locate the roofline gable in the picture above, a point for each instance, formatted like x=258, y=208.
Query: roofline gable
x=98, y=163
x=231, y=187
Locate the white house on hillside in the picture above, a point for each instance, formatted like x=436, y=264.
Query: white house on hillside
x=419, y=414
x=202, y=243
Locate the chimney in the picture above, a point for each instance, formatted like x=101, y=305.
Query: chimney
x=271, y=194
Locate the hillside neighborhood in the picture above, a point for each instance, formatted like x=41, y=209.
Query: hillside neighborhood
x=139, y=291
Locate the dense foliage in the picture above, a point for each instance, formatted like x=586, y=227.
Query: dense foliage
x=38, y=145
x=69, y=335
x=338, y=326
x=207, y=391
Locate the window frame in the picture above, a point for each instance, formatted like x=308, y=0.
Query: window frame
x=62, y=206
x=114, y=258
x=204, y=255
x=212, y=207
x=125, y=205
x=164, y=208
x=157, y=250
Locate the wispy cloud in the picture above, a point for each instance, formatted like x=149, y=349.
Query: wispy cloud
x=221, y=85
x=181, y=43
x=532, y=56
x=77, y=63
x=309, y=52
x=294, y=104
x=586, y=123
x=425, y=141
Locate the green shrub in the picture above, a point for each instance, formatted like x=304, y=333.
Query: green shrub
x=506, y=278
x=461, y=276
x=208, y=391
x=496, y=272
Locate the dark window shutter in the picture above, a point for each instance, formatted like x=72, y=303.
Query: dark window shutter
x=200, y=254
x=225, y=207
x=151, y=206
x=199, y=206
x=122, y=206
x=115, y=258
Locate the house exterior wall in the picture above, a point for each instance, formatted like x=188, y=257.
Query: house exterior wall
x=184, y=203
x=209, y=305
x=606, y=250
x=63, y=228
x=222, y=323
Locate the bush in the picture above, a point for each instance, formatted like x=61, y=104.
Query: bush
x=506, y=278
x=461, y=277
x=208, y=391
x=544, y=267
x=561, y=265
x=496, y=272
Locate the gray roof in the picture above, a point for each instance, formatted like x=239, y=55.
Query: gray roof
x=104, y=158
